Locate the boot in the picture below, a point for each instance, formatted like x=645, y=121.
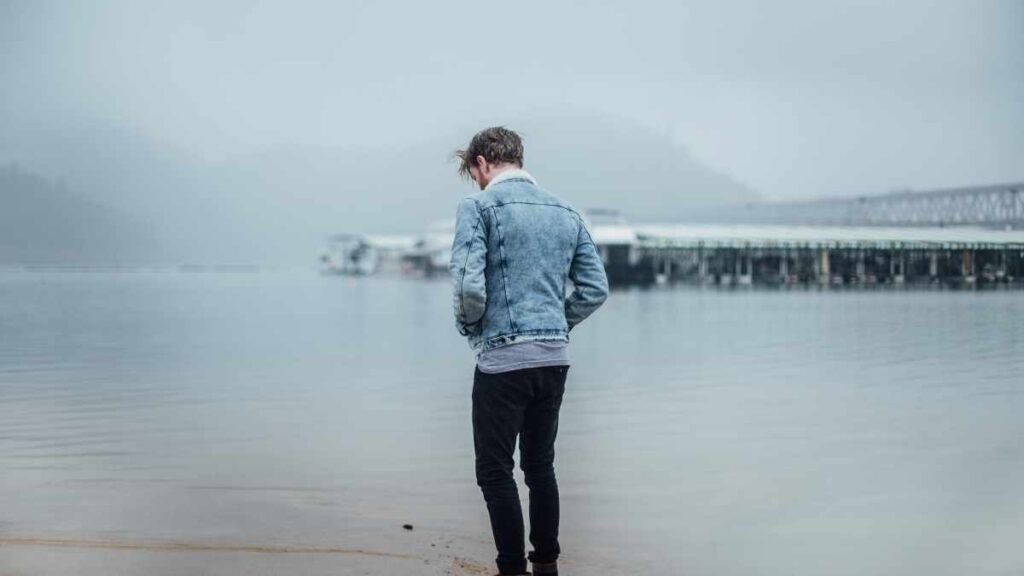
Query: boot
x=545, y=568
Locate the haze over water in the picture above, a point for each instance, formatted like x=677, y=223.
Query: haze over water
x=704, y=432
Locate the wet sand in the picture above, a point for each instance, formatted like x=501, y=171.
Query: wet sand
x=46, y=555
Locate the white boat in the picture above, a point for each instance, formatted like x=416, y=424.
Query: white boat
x=364, y=254
x=348, y=254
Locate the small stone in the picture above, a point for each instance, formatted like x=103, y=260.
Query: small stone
x=407, y=526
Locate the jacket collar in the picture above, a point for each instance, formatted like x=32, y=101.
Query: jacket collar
x=515, y=173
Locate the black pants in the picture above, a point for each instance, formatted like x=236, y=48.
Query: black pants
x=521, y=403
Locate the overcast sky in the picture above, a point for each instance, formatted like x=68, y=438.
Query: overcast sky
x=794, y=99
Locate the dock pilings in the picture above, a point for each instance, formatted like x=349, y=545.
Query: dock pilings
x=833, y=265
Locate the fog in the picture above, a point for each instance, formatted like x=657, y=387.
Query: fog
x=232, y=132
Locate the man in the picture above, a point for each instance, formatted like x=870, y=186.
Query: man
x=515, y=247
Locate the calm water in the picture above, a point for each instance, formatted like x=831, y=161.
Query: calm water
x=703, y=432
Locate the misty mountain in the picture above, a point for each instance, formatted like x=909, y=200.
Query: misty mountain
x=44, y=223
x=591, y=161
x=596, y=161
x=277, y=206
x=167, y=191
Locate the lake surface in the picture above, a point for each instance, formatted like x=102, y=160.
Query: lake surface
x=172, y=422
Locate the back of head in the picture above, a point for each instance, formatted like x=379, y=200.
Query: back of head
x=497, y=145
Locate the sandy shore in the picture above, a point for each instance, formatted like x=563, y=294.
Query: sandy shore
x=418, y=556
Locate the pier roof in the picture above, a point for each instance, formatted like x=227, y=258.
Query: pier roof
x=611, y=234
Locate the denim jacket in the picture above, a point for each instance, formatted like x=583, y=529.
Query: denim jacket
x=515, y=249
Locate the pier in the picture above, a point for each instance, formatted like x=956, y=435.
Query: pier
x=825, y=255
x=953, y=236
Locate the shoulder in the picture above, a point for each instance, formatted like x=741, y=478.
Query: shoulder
x=479, y=200
x=557, y=202
x=520, y=191
x=472, y=202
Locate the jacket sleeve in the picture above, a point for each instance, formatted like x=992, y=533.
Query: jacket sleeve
x=590, y=284
x=468, y=261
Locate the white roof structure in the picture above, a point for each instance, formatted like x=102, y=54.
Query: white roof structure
x=613, y=234
x=757, y=236
x=393, y=242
